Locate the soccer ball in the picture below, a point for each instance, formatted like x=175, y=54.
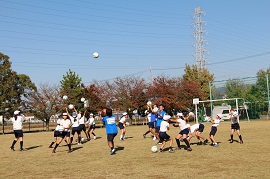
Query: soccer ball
x=82, y=99
x=71, y=106
x=82, y=139
x=149, y=103
x=154, y=148
x=65, y=97
x=95, y=55
x=127, y=124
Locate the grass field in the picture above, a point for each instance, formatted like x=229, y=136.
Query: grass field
x=134, y=158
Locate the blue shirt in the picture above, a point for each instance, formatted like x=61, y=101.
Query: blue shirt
x=153, y=117
x=160, y=119
x=110, y=125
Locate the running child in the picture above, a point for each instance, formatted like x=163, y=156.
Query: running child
x=184, y=131
x=234, y=116
x=56, y=133
x=65, y=124
x=164, y=137
x=122, y=126
x=197, y=129
x=91, y=122
x=17, y=121
x=81, y=119
x=213, y=132
x=111, y=129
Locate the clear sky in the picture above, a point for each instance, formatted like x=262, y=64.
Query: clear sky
x=45, y=38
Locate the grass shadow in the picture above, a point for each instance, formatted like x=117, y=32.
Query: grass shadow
x=76, y=148
x=118, y=148
x=33, y=147
x=128, y=137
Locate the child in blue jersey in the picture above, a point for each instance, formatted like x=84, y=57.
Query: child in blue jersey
x=161, y=113
x=111, y=129
x=151, y=115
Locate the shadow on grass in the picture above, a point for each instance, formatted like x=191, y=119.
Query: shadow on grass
x=33, y=147
x=76, y=148
x=128, y=137
x=234, y=140
x=118, y=148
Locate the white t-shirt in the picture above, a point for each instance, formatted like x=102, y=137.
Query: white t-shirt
x=216, y=123
x=91, y=121
x=149, y=117
x=58, y=124
x=235, y=119
x=17, y=124
x=123, y=119
x=82, y=120
x=74, y=123
x=182, y=124
x=194, y=127
x=163, y=126
x=66, y=124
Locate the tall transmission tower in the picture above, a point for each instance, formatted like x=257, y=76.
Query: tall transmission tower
x=199, y=33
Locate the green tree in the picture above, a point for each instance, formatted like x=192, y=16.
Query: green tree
x=13, y=88
x=201, y=77
x=72, y=87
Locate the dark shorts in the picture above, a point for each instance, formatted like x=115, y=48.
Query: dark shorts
x=163, y=136
x=65, y=134
x=213, y=131
x=18, y=133
x=157, y=128
x=184, y=131
x=121, y=125
x=93, y=126
x=235, y=126
x=56, y=134
x=201, y=128
x=82, y=127
x=76, y=130
x=151, y=125
x=110, y=137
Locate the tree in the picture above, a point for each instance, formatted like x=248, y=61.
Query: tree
x=13, y=88
x=201, y=77
x=72, y=87
x=46, y=102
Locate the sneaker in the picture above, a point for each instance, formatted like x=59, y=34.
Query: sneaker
x=22, y=149
x=205, y=141
x=69, y=151
x=215, y=145
x=241, y=142
x=171, y=150
x=231, y=141
x=144, y=136
x=189, y=149
x=12, y=148
x=112, y=152
x=159, y=143
x=79, y=143
x=154, y=138
x=95, y=137
x=53, y=151
x=88, y=139
x=179, y=148
x=50, y=146
x=160, y=150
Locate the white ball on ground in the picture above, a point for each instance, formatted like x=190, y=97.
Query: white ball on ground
x=95, y=55
x=154, y=148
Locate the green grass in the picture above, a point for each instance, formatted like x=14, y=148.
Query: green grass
x=135, y=159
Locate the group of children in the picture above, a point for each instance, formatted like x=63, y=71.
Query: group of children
x=158, y=123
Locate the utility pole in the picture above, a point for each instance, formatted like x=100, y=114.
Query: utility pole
x=199, y=33
x=151, y=76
